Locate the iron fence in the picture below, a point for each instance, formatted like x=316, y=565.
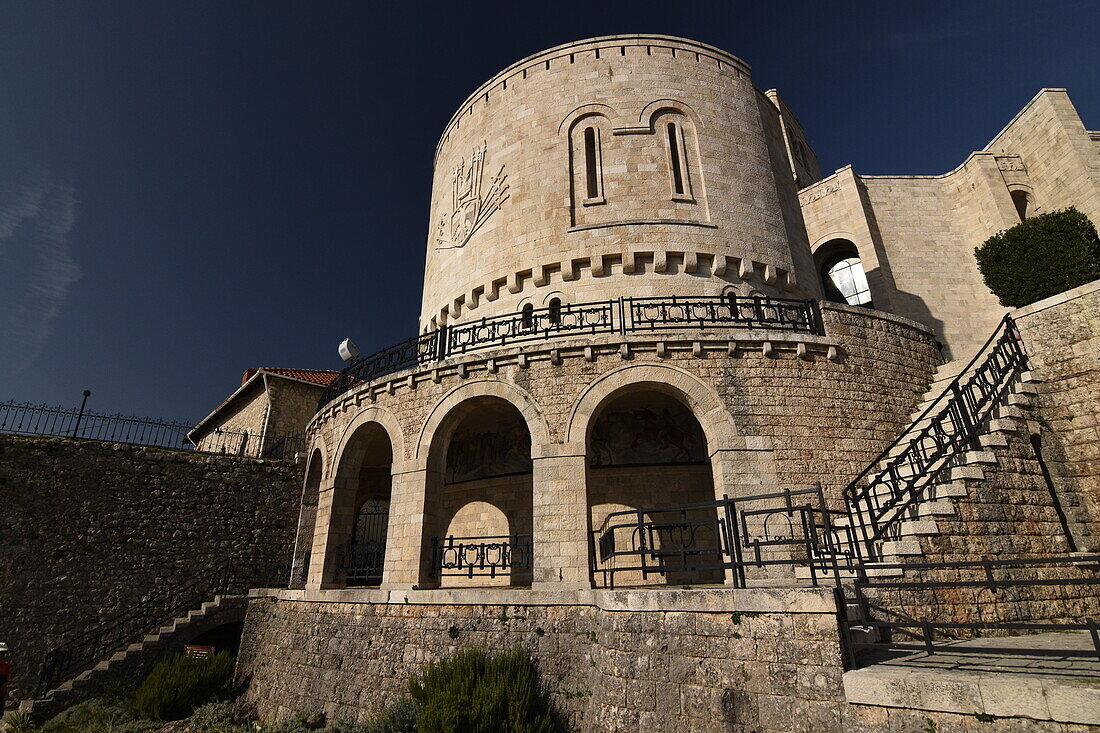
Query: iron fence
x=228, y=576
x=906, y=471
x=906, y=632
x=489, y=556
x=622, y=315
x=24, y=418
x=700, y=543
x=361, y=563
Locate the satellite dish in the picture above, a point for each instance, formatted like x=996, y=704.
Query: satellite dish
x=348, y=350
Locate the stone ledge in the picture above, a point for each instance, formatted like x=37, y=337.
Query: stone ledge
x=1056, y=300
x=717, y=600
x=1058, y=695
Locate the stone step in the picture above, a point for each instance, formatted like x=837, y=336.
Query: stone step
x=901, y=548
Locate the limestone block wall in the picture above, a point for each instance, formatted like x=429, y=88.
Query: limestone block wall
x=511, y=219
x=91, y=528
x=293, y=404
x=778, y=410
x=1057, y=152
x=248, y=415
x=658, y=661
x=1062, y=338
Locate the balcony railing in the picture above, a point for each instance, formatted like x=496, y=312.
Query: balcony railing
x=360, y=563
x=622, y=316
x=491, y=557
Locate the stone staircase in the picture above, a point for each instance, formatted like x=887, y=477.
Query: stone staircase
x=915, y=524
x=131, y=664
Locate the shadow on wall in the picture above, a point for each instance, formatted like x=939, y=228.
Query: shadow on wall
x=909, y=305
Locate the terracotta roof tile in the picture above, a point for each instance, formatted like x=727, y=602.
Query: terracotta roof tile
x=323, y=377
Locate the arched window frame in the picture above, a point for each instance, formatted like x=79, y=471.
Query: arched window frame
x=679, y=173
x=843, y=256
x=527, y=319
x=554, y=312
x=1021, y=199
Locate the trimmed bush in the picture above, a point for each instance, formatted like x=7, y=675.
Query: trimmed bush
x=177, y=686
x=472, y=691
x=1040, y=257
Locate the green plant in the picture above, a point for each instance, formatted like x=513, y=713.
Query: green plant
x=473, y=691
x=1039, y=257
x=18, y=722
x=178, y=685
x=397, y=717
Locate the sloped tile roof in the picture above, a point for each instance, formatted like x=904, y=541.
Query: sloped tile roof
x=323, y=377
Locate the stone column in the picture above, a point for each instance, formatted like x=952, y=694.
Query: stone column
x=331, y=527
x=744, y=466
x=411, y=518
x=560, y=522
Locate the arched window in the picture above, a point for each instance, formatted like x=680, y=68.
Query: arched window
x=527, y=317
x=555, y=311
x=593, y=166
x=677, y=161
x=1021, y=200
x=843, y=275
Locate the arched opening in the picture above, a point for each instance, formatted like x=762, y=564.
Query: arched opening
x=647, y=463
x=1022, y=202
x=307, y=519
x=555, y=311
x=361, y=506
x=479, y=498
x=842, y=274
x=527, y=316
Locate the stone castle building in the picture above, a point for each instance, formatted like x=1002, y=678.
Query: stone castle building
x=677, y=402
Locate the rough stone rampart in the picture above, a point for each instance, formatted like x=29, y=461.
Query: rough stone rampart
x=89, y=529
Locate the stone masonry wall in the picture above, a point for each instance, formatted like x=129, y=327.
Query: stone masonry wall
x=90, y=528
x=695, y=664
x=1062, y=338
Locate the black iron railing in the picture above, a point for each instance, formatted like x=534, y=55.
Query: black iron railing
x=25, y=418
x=361, y=563
x=489, y=556
x=229, y=576
x=699, y=543
x=622, y=315
x=907, y=471
x=904, y=632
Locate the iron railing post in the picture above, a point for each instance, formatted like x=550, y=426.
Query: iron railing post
x=80, y=415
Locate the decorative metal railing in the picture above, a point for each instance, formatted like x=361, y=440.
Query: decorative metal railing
x=489, y=556
x=361, y=563
x=623, y=315
x=25, y=418
x=720, y=540
x=907, y=471
x=1024, y=576
x=228, y=576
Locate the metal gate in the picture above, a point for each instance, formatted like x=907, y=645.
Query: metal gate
x=362, y=559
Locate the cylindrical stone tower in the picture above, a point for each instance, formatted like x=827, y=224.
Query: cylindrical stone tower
x=624, y=165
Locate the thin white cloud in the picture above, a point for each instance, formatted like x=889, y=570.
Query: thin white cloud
x=36, y=268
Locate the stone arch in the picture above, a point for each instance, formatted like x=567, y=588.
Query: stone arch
x=700, y=398
x=1023, y=199
x=649, y=458
x=651, y=111
x=827, y=254
x=361, y=480
x=307, y=515
x=613, y=117
x=478, y=446
x=521, y=399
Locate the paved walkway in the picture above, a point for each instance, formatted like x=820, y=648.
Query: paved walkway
x=977, y=677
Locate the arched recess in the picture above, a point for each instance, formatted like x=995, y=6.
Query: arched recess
x=362, y=483
x=477, y=445
x=842, y=273
x=1023, y=198
x=649, y=434
x=307, y=518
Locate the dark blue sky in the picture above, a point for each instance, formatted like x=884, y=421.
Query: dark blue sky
x=188, y=189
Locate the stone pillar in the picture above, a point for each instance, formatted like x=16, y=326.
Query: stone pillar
x=330, y=520
x=744, y=466
x=560, y=522
x=411, y=518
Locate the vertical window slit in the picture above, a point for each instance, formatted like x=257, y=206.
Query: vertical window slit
x=674, y=151
x=591, y=179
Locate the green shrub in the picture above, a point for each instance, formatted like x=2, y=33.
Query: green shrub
x=18, y=722
x=90, y=716
x=1040, y=257
x=472, y=691
x=398, y=717
x=177, y=686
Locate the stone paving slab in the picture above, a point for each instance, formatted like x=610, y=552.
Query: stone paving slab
x=1040, y=684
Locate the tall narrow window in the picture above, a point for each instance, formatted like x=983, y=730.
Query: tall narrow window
x=527, y=320
x=1020, y=199
x=593, y=192
x=677, y=162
